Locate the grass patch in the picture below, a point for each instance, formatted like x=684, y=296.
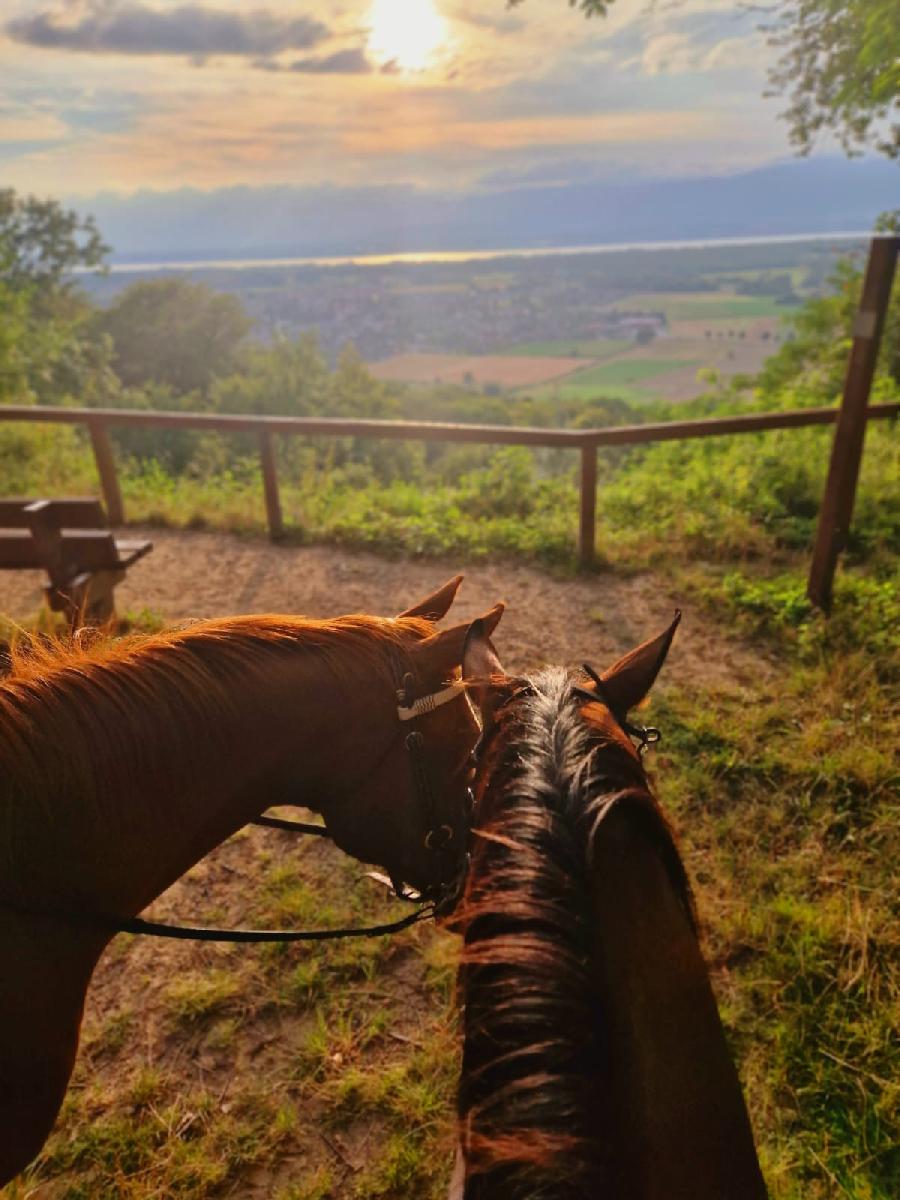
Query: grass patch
x=195, y=997
x=576, y=348
x=628, y=371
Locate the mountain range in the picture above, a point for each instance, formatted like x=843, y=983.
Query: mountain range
x=819, y=195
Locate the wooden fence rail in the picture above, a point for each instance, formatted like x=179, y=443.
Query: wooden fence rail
x=837, y=505
x=98, y=421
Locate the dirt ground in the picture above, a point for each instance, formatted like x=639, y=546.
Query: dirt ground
x=548, y=620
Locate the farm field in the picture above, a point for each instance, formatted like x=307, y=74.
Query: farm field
x=574, y=348
x=721, y=331
x=477, y=370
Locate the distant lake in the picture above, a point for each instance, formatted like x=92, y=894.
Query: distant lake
x=459, y=256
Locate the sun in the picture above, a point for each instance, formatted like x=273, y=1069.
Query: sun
x=406, y=32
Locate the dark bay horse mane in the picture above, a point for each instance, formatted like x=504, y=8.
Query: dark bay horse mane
x=56, y=691
x=534, y=1047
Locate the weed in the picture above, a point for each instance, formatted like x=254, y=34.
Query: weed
x=195, y=996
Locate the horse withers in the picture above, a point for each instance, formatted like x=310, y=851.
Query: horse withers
x=123, y=762
x=594, y=1060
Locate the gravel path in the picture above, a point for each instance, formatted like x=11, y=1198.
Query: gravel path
x=549, y=619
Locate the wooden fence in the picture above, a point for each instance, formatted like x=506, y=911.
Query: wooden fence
x=837, y=504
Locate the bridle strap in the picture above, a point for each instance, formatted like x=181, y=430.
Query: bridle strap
x=137, y=925
x=293, y=826
x=427, y=704
x=647, y=735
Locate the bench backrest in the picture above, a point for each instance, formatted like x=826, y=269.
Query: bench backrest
x=76, y=512
x=86, y=550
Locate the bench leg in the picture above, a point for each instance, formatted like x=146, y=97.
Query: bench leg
x=88, y=599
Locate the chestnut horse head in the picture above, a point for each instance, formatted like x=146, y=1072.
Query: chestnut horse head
x=408, y=812
x=594, y=1061
x=124, y=761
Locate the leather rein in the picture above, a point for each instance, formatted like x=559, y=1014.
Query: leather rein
x=438, y=839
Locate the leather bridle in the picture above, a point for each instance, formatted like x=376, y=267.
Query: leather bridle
x=439, y=837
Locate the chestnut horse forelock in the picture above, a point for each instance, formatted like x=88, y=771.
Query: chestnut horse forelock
x=534, y=1050
x=46, y=696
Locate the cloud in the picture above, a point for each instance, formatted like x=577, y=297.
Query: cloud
x=116, y=27
x=342, y=62
x=497, y=23
x=21, y=123
x=678, y=54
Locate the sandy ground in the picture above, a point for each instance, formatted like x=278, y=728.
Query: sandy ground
x=549, y=620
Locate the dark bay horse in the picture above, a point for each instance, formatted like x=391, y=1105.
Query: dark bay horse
x=594, y=1061
x=124, y=762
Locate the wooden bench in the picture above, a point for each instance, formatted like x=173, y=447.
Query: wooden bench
x=70, y=539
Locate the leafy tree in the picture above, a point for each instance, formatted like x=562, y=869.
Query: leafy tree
x=174, y=332
x=816, y=356
x=41, y=242
x=840, y=68
x=49, y=352
x=13, y=337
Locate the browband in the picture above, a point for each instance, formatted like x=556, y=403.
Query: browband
x=427, y=704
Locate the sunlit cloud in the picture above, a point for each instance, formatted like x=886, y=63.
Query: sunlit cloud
x=443, y=93
x=342, y=62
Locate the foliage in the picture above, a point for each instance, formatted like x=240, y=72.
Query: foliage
x=840, y=68
x=48, y=351
x=822, y=331
x=42, y=243
x=174, y=332
x=866, y=615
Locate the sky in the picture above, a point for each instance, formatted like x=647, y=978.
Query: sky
x=100, y=96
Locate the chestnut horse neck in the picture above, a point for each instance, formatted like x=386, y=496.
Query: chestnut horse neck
x=159, y=747
x=594, y=1062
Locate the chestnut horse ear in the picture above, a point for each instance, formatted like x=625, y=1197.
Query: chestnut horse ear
x=480, y=665
x=444, y=651
x=480, y=662
x=435, y=606
x=628, y=681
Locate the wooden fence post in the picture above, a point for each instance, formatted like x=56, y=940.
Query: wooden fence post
x=849, y=432
x=587, y=527
x=106, y=468
x=270, y=484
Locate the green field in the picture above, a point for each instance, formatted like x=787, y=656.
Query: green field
x=623, y=377
x=797, y=275
x=604, y=348
x=700, y=306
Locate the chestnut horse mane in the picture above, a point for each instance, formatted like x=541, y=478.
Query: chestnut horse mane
x=531, y=1096
x=59, y=693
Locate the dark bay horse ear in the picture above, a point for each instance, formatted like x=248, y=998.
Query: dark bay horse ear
x=628, y=681
x=435, y=606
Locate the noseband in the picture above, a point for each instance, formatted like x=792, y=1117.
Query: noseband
x=439, y=836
